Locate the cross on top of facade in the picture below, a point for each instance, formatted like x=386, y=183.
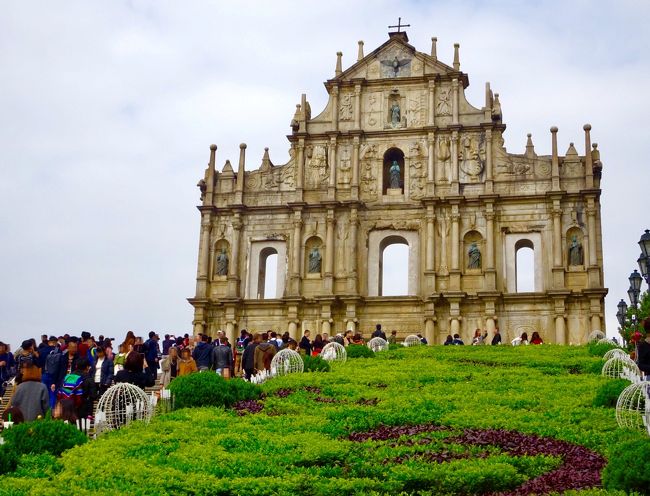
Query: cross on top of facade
x=400, y=25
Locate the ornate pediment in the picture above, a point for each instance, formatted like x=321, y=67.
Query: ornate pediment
x=393, y=60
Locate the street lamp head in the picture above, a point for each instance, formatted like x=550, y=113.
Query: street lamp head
x=622, y=312
x=635, y=281
x=644, y=243
x=643, y=267
x=633, y=296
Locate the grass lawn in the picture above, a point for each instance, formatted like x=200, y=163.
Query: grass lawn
x=422, y=420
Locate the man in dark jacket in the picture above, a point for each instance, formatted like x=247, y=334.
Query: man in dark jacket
x=305, y=343
x=379, y=333
x=497, y=337
x=222, y=357
x=202, y=354
x=54, y=368
x=151, y=351
x=248, y=358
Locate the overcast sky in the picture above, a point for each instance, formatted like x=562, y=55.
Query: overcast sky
x=108, y=108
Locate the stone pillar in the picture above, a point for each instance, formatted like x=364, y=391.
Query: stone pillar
x=557, y=236
x=296, y=259
x=555, y=162
x=432, y=102
x=209, y=194
x=326, y=327
x=490, y=271
x=230, y=332
x=204, y=258
x=589, y=167
x=455, y=326
x=490, y=327
x=455, y=241
x=300, y=167
x=292, y=328
x=241, y=173
x=429, y=331
x=353, y=277
x=331, y=190
x=595, y=323
x=351, y=325
x=335, y=108
x=454, y=163
x=454, y=89
x=591, y=228
x=489, y=186
x=431, y=164
x=355, y=167
x=233, y=266
x=430, y=243
x=329, y=252
x=560, y=330
x=357, y=106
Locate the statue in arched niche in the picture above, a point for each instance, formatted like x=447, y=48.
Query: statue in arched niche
x=395, y=114
x=576, y=256
x=395, y=175
x=222, y=263
x=314, y=261
x=474, y=254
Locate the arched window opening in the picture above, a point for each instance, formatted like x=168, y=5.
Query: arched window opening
x=525, y=266
x=394, y=267
x=393, y=172
x=267, y=274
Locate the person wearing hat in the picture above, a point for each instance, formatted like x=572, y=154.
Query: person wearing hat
x=643, y=350
x=53, y=366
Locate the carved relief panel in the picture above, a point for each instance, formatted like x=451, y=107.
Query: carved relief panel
x=316, y=166
x=471, y=158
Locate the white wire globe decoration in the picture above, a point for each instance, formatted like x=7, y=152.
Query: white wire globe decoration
x=596, y=336
x=620, y=367
x=616, y=352
x=334, y=352
x=607, y=341
x=286, y=362
x=631, y=406
x=378, y=344
x=412, y=340
x=120, y=405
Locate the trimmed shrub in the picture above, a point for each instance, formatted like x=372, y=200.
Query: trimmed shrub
x=607, y=394
x=8, y=460
x=43, y=436
x=359, y=351
x=627, y=469
x=599, y=349
x=210, y=389
x=316, y=364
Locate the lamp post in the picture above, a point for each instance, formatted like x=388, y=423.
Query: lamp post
x=644, y=258
x=622, y=313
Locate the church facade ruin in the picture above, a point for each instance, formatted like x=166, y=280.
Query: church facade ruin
x=399, y=156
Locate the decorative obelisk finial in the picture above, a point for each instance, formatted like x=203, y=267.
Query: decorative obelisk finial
x=360, y=53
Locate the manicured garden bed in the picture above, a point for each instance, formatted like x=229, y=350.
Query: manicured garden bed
x=423, y=420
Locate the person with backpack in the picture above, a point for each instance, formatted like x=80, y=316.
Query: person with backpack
x=264, y=353
x=79, y=386
x=31, y=395
x=53, y=369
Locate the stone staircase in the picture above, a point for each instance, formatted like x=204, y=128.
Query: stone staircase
x=6, y=398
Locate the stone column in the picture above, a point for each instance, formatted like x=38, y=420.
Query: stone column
x=455, y=326
x=335, y=108
x=230, y=331
x=204, y=259
x=490, y=272
x=241, y=174
x=591, y=228
x=355, y=167
x=296, y=258
x=429, y=331
x=455, y=242
x=292, y=328
x=454, y=88
x=557, y=236
x=454, y=163
x=329, y=252
x=560, y=330
x=489, y=187
x=432, y=102
x=352, y=258
x=357, y=106
x=326, y=327
x=331, y=190
x=589, y=167
x=233, y=266
x=430, y=244
x=431, y=164
x=555, y=162
x=300, y=167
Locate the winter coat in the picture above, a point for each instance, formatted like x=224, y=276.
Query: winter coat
x=202, y=355
x=33, y=399
x=222, y=357
x=248, y=358
x=186, y=367
x=260, y=351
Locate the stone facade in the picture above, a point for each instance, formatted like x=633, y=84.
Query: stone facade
x=398, y=155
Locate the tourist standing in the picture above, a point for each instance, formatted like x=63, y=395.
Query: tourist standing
x=186, y=364
x=31, y=396
x=54, y=369
x=496, y=339
x=248, y=358
x=305, y=343
x=222, y=358
x=7, y=367
x=151, y=352
x=264, y=353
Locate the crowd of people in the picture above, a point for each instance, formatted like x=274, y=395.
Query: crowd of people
x=67, y=374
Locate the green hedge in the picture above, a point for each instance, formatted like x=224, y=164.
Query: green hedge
x=628, y=467
x=43, y=436
x=607, y=394
x=359, y=351
x=210, y=389
x=316, y=364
